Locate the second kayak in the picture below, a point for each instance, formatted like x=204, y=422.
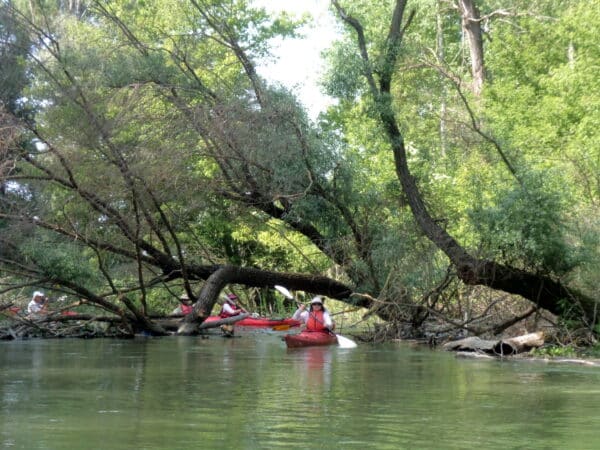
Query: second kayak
x=309, y=339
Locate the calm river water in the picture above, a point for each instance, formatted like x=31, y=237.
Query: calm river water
x=250, y=392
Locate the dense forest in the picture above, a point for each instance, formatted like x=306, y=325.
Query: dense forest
x=456, y=176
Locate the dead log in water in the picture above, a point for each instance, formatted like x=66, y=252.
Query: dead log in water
x=504, y=347
x=225, y=321
x=190, y=328
x=519, y=344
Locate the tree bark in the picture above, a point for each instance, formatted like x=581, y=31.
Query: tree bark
x=471, y=26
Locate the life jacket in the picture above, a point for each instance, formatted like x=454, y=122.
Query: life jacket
x=224, y=314
x=186, y=309
x=316, y=321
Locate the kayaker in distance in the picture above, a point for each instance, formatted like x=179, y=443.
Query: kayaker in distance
x=317, y=318
x=38, y=304
x=185, y=305
x=230, y=308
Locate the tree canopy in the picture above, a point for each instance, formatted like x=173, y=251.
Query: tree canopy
x=143, y=155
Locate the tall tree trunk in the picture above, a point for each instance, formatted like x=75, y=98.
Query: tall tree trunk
x=471, y=27
x=441, y=57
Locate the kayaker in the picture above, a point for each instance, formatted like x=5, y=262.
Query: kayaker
x=185, y=306
x=38, y=304
x=230, y=308
x=317, y=317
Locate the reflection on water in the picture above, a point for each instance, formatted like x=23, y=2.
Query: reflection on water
x=314, y=366
x=251, y=392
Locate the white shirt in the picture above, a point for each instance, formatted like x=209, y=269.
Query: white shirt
x=228, y=309
x=34, y=307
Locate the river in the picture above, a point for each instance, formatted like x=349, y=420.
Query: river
x=250, y=392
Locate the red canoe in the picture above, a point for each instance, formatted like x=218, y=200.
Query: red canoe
x=261, y=322
x=309, y=339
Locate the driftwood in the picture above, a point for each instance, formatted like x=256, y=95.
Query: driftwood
x=226, y=321
x=471, y=344
x=173, y=323
x=504, y=347
x=187, y=328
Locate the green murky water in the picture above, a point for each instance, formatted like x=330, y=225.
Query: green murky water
x=250, y=392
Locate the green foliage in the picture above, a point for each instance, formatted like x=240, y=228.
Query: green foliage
x=13, y=76
x=592, y=351
x=555, y=351
x=524, y=227
x=542, y=101
x=59, y=260
x=344, y=82
x=163, y=137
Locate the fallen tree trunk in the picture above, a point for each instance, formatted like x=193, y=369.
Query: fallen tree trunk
x=504, y=347
x=519, y=344
x=191, y=328
x=173, y=323
x=226, y=321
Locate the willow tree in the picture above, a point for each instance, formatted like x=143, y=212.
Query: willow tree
x=152, y=131
x=155, y=157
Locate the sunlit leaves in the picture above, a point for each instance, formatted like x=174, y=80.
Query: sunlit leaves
x=538, y=105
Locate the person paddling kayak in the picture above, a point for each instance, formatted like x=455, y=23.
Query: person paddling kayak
x=230, y=308
x=317, y=318
x=38, y=304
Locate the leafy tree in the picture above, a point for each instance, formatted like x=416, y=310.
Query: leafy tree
x=538, y=240
x=156, y=159
x=143, y=162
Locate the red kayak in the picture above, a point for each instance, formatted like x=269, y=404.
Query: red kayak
x=261, y=322
x=309, y=339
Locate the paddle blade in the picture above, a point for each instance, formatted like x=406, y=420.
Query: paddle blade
x=284, y=291
x=344, y=342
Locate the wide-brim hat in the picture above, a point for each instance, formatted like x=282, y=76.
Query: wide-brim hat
x=316, y=300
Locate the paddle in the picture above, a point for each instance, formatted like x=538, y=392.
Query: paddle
x=343, y=342
x=285, y=292
x=283, y=327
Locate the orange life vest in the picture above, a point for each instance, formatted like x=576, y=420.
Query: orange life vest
x=316, y=321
